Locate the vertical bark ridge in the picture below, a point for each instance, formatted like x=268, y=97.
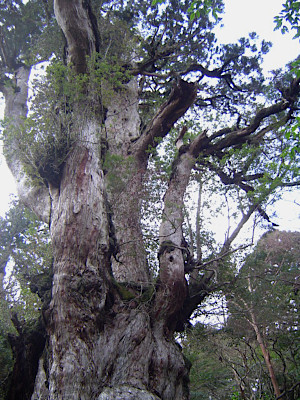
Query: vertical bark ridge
x=125, y=183
x=80, y=237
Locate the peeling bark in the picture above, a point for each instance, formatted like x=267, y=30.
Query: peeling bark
x=79, y=232
x=113, y=345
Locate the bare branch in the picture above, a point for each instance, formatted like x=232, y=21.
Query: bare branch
x=221, y=256
x=239, y=180
x=237, y=230
x=219, y=73
x=283, y=394
x=289, y=184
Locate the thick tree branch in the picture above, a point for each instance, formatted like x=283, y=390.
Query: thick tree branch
x=181, y=98
x=173, y=251
x=80, y=29
x=241, y=136
x=227, y=137
x=171, y=227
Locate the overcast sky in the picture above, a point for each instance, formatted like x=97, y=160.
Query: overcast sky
x=244, y=16
x=241, y=17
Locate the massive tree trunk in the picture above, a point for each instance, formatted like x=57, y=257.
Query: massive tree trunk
x=104, y=340
x=110, y=326
x=108, y=333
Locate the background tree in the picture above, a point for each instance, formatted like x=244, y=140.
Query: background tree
x=265, y=297
x=211, y=377
x=25, y=255
x=260, y=332
x=125, y=77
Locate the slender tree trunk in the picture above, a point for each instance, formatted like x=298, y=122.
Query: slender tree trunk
x=266, y=354
x=239, y=382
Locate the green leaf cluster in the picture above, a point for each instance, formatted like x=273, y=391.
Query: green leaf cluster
x=26, y=261
x=6, y=362
x=48, y=134
x=204, y=7
x=28, y=33
x=290, y=14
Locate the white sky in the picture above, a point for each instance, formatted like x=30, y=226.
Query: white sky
x=241, y=17
x=244, y=16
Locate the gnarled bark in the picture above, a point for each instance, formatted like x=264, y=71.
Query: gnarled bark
x=110, y=327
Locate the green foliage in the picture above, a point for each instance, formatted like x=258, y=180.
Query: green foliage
x=265, y=288
x=204, y=7
x=173, y=36
x=235, y=395
x=26, y=260
x=209, y=377
x=105, y=77
x=290, y=14
x=25, y=249
x=6, y=362
x=229, y=356
x=22, y=24
x=6, y=356
x=292, y=134
x=47, y=135
x=199, y=8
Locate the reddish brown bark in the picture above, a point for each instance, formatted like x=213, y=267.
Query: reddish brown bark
x=266, y=355
x=110, y=326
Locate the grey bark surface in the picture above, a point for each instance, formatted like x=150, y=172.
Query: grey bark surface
x=113, y=346
x=106, y=339
x=36, y=198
